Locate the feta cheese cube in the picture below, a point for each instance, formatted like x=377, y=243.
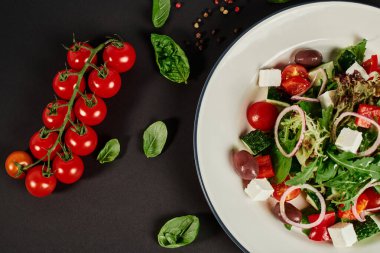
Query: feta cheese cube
x=343, y=234
x=259, y=189
x=376, y=219
x=327, y=99
x=349, y=140
x=269, y=77
x=356, y=66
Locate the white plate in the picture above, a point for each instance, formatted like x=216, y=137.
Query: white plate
x=230, y=88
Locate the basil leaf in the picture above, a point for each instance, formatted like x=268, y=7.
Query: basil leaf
x=110, y=151
x=281, y=165
x=306, y=173
x=178, y=232
x=154, y=139
x=160, y=12
x=170, y=58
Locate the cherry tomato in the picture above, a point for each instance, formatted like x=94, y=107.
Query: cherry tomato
x=78, y=55
x=119, y=56
x=39, y=185
x=360, y=207
x=373, y=198
x=90, y=110
x=64, y=84
x=293, y=70
x=68, y=171
x=279, y=190
x=41, y=142
x=14, y=158
x=262, y=115
x=295, y=85
x=104, y=83
x=320, y=232
x=83, y=142
x=54, y=114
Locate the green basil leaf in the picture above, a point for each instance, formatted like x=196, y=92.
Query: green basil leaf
x=178, y=232
x=154, y=139
x=170, y=58
x=110, y=151
x=160, y=12
x=281, y=165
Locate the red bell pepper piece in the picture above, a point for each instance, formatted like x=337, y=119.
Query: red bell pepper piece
x=361, y=205
x=371, y=64
x=265, y=166
x=320, y=232
x=370, y=111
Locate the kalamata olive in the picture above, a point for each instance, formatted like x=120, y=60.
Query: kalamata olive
x=245, y=165
x=291, y=212
x=308, y=57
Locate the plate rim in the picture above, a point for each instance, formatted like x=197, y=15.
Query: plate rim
x=201, y=96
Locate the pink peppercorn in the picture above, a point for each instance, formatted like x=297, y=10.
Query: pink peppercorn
x=178, y=5
x=237, y=9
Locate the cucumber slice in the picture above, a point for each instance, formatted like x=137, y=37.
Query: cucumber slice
x=257, y=141
x=329, y=69
x=313, y=200
x=366, y=229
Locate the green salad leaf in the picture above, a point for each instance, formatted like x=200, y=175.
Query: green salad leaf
x=170, y=58
x=281, y=164
x=109, y=152
x=160, y=12
x=154, y=139
x=347, y=56
x=326, y=171
x=178, y=232
x=326, y=119
x=306, y=173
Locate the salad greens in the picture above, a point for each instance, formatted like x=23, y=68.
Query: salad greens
x=160, y=12
x=347, y=56
x=154, y=139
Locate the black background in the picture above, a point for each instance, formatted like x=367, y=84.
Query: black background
x=118, y=207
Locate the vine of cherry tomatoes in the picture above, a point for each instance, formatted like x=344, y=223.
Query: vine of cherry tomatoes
x=67, y=133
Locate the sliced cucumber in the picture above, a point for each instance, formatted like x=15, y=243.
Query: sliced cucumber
x=313, y=200
x=366, y=229
x=329, y=69
x=257, y=141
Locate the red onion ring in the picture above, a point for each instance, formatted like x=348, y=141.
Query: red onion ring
x=298, y=109
x=324, y=80
x=299, y=98
x=321, y=200
x=361, y=217
x=374, y=146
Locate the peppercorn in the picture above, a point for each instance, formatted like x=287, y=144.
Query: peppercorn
x=178, y=5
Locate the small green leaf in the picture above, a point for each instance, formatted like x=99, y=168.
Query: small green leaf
x=326, y=171
x=160, y=12
x=178, y=232
x=306, y=173
x=110, y=151
x=281, y=165
x=154, y=139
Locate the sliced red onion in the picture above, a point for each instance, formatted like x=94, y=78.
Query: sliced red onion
x=298, y=109
x=299, y=98
x=321, y=200
x=324, y=80
x=361, y=217
x=374, y=146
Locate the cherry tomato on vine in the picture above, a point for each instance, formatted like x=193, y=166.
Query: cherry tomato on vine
x=41, y=142
x=81, y=141
x=262, y=115
x=69, y=170
x=54, y=114
x=64, y=83
x=90, y=109
x=104, y=83
x=78, y=54
x=38, y=184
x=120, y=56
x=17, y=157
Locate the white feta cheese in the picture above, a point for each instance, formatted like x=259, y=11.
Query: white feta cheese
x=376, y=219
x=259, y=189
x=349, y=140
x=343, y=234
x=356, y=66
x=327, y=99
x=269, y=77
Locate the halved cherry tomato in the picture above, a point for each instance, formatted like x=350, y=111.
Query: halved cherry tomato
x=369, y=111
x=64, y=83
x=360, y=207
x=82, y=142
x=262, y=115
x=265, y=166
x=371, y=64
x=90, y=110
x=17, y=157
x=293, y=70
x=39, y=185
x=120, y=56
x=373, y=198
x=68, y=171
x=78, y=55
x=41, y=142
x=295, y=85
x=54, y=114
x=279, y=190
x=104, y=83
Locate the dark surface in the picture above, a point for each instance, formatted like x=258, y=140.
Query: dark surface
x=117, y=207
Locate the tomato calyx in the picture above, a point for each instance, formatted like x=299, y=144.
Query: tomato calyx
x=44, y=133
x=90, y=101
x=20, y=169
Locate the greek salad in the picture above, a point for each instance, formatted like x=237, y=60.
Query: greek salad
x=316, y=137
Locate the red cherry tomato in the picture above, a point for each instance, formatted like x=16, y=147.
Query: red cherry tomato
x=81, y=143
x=360, y=207
x=293, y=70
x=39, y=185
x=279, y=190
x=64, y=84
x=119, y=57
x=17, y=157
x=295, y=85
x=104, y=83
x=373, y=198
x=78, y=55
x=68, y=171
x=90, y=111
x=54, y=114
x=262, y=115
x=320, y=232
x=40, y=143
